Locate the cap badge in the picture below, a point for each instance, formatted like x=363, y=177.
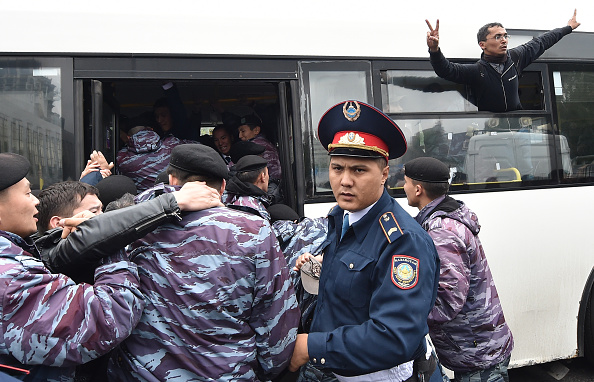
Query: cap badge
x=350, y=111
x=351, y=138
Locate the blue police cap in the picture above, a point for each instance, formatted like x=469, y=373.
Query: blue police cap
x=354, y=128
x=14, y=168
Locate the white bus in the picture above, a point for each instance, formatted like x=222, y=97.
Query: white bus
x=70, y=70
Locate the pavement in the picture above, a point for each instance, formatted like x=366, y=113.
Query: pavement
x=571, y=370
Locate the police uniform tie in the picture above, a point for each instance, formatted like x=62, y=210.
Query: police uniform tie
x=345, y=225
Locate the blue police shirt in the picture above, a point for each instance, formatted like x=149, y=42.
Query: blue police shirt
x=377, y=287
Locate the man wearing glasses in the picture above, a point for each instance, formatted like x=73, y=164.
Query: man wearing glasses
x=494, y=78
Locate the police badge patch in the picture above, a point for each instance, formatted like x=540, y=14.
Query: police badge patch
x=405, y=271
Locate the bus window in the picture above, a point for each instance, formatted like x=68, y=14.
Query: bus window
x=574, y=98
x=422, y=91
x=325, y=86
x=32, y=94
x=419, y=91
x=485, y=152
x=530, y=90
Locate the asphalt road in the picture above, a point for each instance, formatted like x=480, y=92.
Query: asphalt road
x=573, y=370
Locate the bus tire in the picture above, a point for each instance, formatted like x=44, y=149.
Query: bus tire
x=589, y=331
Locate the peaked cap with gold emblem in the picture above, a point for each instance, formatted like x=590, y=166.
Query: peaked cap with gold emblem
x=354, y=128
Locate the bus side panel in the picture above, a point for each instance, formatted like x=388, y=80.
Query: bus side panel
x=539, y=260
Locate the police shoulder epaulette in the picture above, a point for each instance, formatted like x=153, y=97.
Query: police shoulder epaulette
x=332, y=209
x=390, y=226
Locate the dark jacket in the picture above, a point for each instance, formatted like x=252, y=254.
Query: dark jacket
x=103, y=235
x=491, y=90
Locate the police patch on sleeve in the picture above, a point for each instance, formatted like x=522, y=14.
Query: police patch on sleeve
x=405, y=271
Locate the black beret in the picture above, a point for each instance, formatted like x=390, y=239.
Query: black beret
x=163, y=177
x=427, y=169
x=250, y=120
x=114, y=187
x=250, y=163
x=199, y=159
x=354, y=128
x=242, y=148
x=13, y=168
x=282, y=212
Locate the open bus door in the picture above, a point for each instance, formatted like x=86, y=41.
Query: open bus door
x=107, y=101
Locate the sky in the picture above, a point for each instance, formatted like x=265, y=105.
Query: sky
x=374, y=28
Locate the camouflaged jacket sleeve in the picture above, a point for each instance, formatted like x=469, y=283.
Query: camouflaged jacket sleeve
x=47, y=319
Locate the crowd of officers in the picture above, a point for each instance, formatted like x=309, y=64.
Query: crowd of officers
x=173, y=284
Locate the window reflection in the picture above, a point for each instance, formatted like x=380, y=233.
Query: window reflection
x=486, y=151
x=412, y=91
x=574, y=95
x=326, y=89
x=30, y=109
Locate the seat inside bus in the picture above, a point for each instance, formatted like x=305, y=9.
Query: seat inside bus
x=493, y=157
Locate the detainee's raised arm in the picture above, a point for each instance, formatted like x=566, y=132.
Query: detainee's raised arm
x=433, y=36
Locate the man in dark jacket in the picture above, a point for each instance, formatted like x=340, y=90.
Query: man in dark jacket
x=494, y=79
x=77, y=256
x=466, y=324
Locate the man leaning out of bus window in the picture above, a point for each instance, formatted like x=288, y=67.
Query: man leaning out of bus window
x=494, y=79
x=466, y=324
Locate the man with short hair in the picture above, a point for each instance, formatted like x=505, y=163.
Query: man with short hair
x=494, y=79
x=223, y=139
x=250, y=129
x=467, y=324
x=49, y=323
x=66, y=199
x=246, y=190
x=78, y=256
x=220, y=305
x=380, y=269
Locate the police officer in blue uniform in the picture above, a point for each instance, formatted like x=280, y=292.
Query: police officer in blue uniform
x=380, y=269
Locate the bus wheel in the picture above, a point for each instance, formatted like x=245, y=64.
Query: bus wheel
x=589, y=331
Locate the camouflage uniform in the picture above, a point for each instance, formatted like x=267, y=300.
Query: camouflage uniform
x=298, y=238
x=246, y=197
x=295, y=239
x=467, y=324
x=51, y=322
x=220, y=304
x=145, y=157
x=271, y=155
